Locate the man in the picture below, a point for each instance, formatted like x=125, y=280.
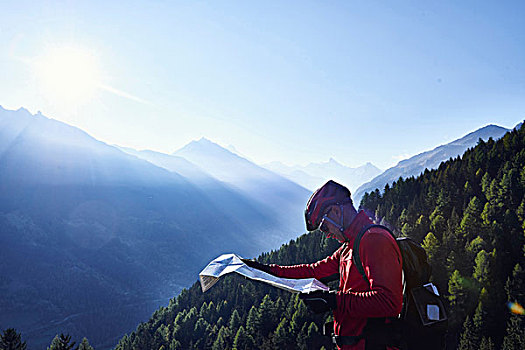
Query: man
x=358, y=302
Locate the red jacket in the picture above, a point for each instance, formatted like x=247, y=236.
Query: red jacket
x=355, y=300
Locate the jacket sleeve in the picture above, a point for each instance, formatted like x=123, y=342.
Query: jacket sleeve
x=321, y=269
x=383, y=266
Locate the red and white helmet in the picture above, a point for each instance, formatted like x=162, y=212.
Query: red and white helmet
x=331, y=193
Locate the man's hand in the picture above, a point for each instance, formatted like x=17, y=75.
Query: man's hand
x=257, y=265
x=319, y=301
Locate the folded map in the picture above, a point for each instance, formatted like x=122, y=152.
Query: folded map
x=228, y=263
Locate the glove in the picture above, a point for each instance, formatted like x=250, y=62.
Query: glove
x=257, y=265
x=320, y=301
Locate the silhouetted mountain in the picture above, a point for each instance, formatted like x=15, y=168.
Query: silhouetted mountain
x=94, y=239
x=429, y=159
x=313, y=175
x=296, y=174
x=252, y=215
x=175, y=164
x=284, y=198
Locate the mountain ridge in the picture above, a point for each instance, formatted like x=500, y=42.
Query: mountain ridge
x=313, y=175
x=89, y=229
x=430, y=159
x=256, y=182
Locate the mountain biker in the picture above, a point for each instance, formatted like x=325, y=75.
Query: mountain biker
x=356, y=303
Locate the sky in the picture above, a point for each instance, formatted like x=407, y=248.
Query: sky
x=289, y=81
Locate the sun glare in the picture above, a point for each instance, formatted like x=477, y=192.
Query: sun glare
x=68, y=76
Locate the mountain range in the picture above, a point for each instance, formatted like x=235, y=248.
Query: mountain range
x=94, y=239
x=417, y=164
x=272, y=191
x=314, y=175
x=253, y=193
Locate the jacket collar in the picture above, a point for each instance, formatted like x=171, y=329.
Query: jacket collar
x=361, y=220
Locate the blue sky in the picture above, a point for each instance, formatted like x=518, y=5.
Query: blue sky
x=294, y=81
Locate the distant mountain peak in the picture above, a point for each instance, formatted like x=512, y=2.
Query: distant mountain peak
x=333, y=161
x=19, y=110
x=205, y=140
x=22, y=109
x=484, y=133
x=488, y=128
x=204, y=145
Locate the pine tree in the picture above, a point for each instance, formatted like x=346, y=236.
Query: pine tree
x=188, y=322
x=301, y=341
x=223, y=340
x=282, y=338
x=265, y=316
x=299, y=317
x=206, y=311
x=468, y=340
x=480, y=319
x=243, y=341
x=461, y=296
x=235, y=321
x=515, y=286
x=421, y=228
x=11, y=340
x=515, y=337
x=84, y=345
x=431, y=246
x=438, y=223
x=251, y=327
x=279, y=307
x=471, y=225
x=486, y=344
x=475, y=246
x=313, y=336
x=175, y=345
x=200, y=330
x=482, y=269
x=62, y=342
x=485, y=184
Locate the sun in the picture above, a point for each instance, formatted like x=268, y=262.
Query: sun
x=68, y=76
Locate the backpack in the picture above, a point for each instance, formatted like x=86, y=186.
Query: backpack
x=422, y=323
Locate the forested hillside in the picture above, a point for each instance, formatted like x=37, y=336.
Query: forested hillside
x=468, y=214
x=239, y=313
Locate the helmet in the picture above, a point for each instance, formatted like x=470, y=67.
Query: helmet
x=331, y=193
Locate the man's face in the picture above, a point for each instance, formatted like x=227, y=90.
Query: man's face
x=329, y=229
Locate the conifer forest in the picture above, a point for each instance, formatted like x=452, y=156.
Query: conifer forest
x=469, y=216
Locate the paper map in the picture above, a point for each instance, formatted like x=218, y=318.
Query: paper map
x=228, y=263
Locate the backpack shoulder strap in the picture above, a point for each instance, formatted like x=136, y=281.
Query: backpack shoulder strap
x=356, y=256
